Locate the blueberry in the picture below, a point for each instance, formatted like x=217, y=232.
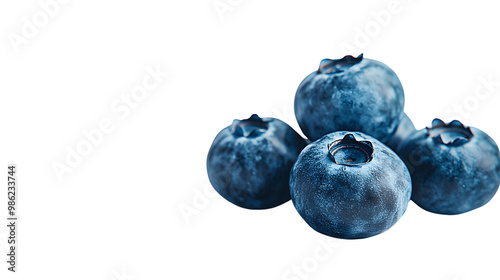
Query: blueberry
x=454, y=168
x=249, y=162
x=349, y=185
x=402, y=132
x=355, y=94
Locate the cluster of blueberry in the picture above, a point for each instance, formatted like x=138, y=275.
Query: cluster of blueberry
x=363, y=159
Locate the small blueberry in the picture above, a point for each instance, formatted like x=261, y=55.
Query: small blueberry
x=454, y=168
x=249, y=162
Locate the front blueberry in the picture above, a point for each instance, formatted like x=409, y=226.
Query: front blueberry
x=349, y=185
x=249, y=162
x=355, y=94
x=454, y=168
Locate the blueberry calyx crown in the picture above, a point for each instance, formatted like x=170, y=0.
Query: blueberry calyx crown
x=328, y=66
x=451, y=134
x=250, y=128
x=349, y=151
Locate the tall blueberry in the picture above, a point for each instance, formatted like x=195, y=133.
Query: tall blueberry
x=352, y=93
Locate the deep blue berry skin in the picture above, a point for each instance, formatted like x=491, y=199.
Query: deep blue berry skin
x=249, y=162
x=349, y=185
x=402, y=132
x=454, y=169
x=353, y=94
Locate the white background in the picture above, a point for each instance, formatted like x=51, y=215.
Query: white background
x=119, y=213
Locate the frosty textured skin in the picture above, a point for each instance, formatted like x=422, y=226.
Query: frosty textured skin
x=249, y=162
x=359, y=196
x=353, y=94
x=454, y=169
